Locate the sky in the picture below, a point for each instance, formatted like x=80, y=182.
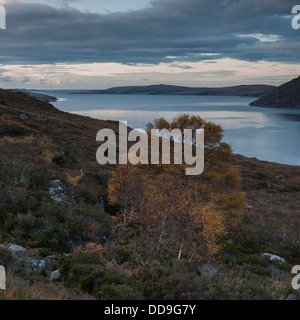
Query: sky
x=74, y=44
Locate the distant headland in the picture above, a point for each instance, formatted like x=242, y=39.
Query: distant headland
x=39, y=96
x=285, y=96
x=162, y=89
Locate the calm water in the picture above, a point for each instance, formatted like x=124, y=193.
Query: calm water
x=265, y=133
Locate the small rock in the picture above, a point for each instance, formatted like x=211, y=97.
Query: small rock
x=55, y=183
x=250, y=207
x=59, y=191
x=56, y=189
x=43, y=119
x=55, y=275
x=24, y=116
x=268, y=184
x=38, y=266
x=275, y=258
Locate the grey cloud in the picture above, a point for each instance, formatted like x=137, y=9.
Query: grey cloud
x=6, y=79
x=39, y=33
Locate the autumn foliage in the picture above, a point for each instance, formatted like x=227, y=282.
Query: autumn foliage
x=169, y=209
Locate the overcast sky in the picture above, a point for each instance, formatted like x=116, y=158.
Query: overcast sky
x=91, y=44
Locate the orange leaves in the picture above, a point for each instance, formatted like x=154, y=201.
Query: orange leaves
x=73, y=180
x=165, y=209
x=212, y=228
x=89, y=248
x=126, y=189
x=171, y=210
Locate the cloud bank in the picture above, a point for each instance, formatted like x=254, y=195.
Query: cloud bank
x=170, y=30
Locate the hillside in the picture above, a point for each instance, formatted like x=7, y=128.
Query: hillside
x=31, y=116
x=243, y=90
x=62, y=237
x=285, y=96
x=39, y=96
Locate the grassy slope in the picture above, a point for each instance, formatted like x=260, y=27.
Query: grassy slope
x=272, y=189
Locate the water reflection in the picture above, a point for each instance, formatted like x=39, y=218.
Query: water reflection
x=285, y=116
x=265, y=133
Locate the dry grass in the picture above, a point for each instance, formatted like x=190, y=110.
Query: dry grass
x=21, y=289
x=274, y=192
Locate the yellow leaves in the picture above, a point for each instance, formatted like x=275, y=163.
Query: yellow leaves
x=166, y=209
x=126, y=188
x=213, y=228
x=116, y=219
x=173, y=210
x=121, y=184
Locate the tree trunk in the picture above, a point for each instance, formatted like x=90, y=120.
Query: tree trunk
x=180, y=251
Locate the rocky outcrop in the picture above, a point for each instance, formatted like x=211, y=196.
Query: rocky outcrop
x=43, y=119
x=29, y=259
x=57, y=193
x=273, y=257
x=55, y=188
x=16, y=250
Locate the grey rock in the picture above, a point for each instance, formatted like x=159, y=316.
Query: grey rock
x=43, y=119
x=38, y=266
x=55, y=275
x=55, y=184
x=58, y=191
x=17, y=250
x=250, y=207
x=24, y=116
x=273, y=257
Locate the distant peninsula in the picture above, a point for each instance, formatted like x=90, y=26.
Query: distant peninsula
x=285, y=96
x=162, y=89
x=39, y=96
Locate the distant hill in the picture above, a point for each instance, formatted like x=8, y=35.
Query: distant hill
x=284, y=96
x=162, y=89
